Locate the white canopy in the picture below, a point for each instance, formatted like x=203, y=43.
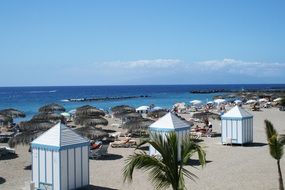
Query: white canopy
x=219, y=101
x=180, y=105
x=142, y=108
x=156, y=108
x=169, y=122
x=196, y=102
x=72, y=111
x=237, y=112
x=210, y=102
x=238, y=101
x=263, y=100
x=251, y=101
x=65, y=114
x=277, y=100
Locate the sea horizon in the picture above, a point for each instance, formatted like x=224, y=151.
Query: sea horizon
x=98, y=85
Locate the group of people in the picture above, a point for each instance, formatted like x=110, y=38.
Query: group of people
x=206, y=130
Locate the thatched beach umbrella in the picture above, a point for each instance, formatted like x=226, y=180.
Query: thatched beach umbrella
x=51, y=108
x=50, y=117
x=95, y=121
x=157, y=113
x=91, y=132
x=11, y=112
x=89, y=116
x=139, y=123
x=137, y=126
x=203, y=115
x=131, y=116
x=24, y=138
x=5, y=119
x=33, y=125
x=123, y=108
x=88, y=110
x=122, y=111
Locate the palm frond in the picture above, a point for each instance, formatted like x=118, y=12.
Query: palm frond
x=270, y=131
x=166, y=170
x=275, y=141
x=282, y=139
x=276, y=148
x=139, y=161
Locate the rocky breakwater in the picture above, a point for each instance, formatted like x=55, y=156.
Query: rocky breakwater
x=104, y=98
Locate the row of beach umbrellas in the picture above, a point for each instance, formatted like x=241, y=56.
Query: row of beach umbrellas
x=221, y=101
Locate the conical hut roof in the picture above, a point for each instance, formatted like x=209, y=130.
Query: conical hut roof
x=237, y=112
x=170, y=122
x=59, y=136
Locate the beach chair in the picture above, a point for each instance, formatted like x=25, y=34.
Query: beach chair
x=209, y=133
x=6, y=150
x=100, y=152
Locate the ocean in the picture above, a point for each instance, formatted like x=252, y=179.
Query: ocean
x=29, y=99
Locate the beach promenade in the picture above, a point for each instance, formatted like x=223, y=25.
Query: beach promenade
x=228, y=167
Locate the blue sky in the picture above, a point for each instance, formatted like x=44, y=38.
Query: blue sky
x=141, y=42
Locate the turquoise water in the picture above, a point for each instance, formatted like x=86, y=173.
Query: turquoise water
x=29, y=99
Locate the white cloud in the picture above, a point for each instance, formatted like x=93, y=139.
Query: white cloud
x=243, y=67
x=175, y=71
x=144, y=63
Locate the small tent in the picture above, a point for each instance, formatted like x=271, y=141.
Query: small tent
x=143, y=109
x=60, y=159
x=237, y=126
x=169, y=123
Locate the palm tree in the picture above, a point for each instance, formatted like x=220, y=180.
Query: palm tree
x=276, y=143
x=166, y=170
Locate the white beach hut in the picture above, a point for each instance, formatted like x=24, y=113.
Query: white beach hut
x=143, y=109
x=237, y=126
x=60, y=159
x=169, y=123
x=219, y=101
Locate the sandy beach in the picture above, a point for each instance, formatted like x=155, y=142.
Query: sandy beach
x=228, y=167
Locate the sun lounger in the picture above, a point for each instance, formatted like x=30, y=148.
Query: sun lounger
x=6, y=150
x=116, y=135
x=128, y=143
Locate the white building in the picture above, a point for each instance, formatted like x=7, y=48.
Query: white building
x=60, y=159
x=169, y=123
x=237, y=126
